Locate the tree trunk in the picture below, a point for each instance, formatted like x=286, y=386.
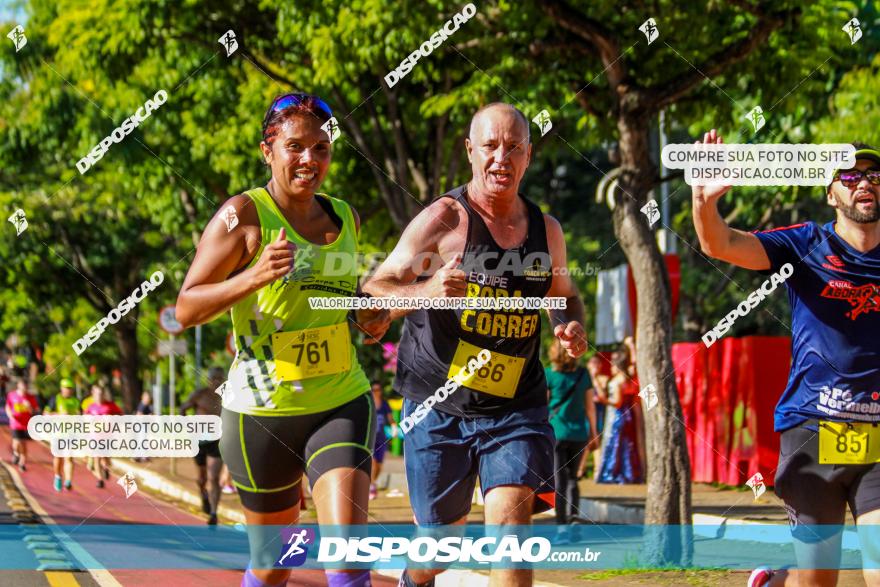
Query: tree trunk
x=668, y=505
x=126, y=339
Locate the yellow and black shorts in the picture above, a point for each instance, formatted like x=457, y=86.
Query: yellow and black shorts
x=267, y=455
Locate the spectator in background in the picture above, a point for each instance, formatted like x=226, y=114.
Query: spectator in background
x=573, y=417
x=597, y=380
x=21, y=404
x=4, y=380
x=102, y=404
x=145, y=407
x=620, y=452
x=383, y=417
x=639, y=414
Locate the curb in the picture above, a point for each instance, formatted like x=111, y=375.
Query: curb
x=600, y=511
x=157, y=482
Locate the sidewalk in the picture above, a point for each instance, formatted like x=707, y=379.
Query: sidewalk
x=625, y=504
x=602, y=504
x=391, y=507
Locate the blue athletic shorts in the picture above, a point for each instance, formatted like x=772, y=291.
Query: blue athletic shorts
x=444, y=454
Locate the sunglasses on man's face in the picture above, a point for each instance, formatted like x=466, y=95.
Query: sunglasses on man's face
x=854, y=177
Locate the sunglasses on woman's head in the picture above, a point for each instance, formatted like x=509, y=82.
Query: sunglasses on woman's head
x=288, y=100
x=853, y=177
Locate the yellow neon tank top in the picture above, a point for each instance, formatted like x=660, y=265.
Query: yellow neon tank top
x=276, y=322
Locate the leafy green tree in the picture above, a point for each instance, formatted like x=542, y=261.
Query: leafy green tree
x=93, y=237
x=715, y=58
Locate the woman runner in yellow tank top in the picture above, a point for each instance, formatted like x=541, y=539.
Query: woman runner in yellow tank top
x=296, y=401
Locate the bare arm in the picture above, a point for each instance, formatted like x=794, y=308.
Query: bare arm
x=601, y=383
x=208, y=290
x=717, y=239
x=190, y=403
x=591, y=413
x=418, y=246
x=568, y=324
x=615, y=398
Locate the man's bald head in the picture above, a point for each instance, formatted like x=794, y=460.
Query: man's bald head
x=490, y=111
x=498, y=150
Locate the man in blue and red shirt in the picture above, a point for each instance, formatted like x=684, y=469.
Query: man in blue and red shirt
x=829, y=413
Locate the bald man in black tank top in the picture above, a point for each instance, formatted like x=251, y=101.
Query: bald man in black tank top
x=485, y=240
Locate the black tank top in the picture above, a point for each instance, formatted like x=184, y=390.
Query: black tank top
x=432, y=339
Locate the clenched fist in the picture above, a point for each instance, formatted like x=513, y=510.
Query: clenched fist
x=448, y=282
x=572, y=338
x=275, y=261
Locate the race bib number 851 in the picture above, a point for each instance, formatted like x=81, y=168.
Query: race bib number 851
x=842, y=443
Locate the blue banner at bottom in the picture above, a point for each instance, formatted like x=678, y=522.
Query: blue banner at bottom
x=588, y=547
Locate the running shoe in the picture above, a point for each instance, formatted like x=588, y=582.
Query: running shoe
x=212, y=520
x=15, y=458
x=68, y=485
x=760, y=577
x=56, y=483
x=21, y=467
x=106, y=474
x=100, y=484
x=563, y=536
x=227, y=489
x=374, y=493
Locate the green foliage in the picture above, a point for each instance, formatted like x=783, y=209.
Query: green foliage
x=88, y=67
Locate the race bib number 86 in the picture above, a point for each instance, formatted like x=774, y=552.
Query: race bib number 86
x=500, y=376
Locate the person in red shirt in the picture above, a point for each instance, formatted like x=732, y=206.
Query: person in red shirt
x=21, y=404
x=102, y=405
